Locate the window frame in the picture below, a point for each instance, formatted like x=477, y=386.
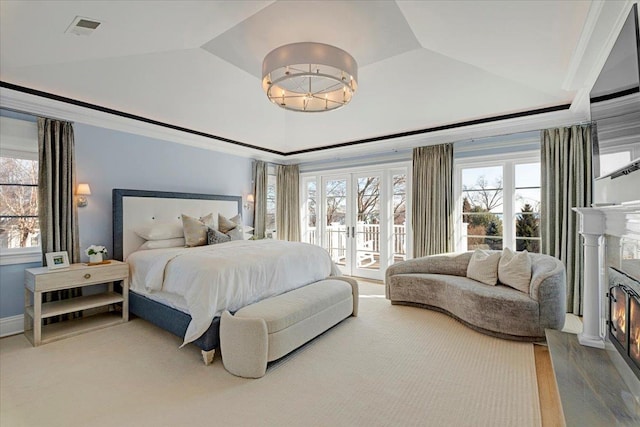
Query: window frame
x=508, y=163
x=20, y=142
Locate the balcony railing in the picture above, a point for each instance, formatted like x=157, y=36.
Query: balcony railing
x=367, y=241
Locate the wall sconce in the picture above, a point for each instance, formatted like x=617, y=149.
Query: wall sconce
x=249, y=203
x=82, y=192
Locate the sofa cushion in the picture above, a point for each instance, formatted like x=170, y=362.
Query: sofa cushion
x=296, y=305
x=514, y=269
x=483, y=267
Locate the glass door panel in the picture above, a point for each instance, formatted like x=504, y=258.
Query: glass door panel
x=366, y=232
x=335, y=222
x=399, y=206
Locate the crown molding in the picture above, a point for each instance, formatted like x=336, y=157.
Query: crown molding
x=45, y=107
x=49, y=106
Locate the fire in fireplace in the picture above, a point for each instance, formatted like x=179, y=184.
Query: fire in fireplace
x=624, y=317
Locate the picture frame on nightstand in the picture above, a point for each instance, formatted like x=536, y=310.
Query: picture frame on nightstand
x=57, y=260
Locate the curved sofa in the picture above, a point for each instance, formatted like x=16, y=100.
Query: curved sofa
x=439, y=282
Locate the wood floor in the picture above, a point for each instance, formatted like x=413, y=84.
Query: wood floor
x=550, y=404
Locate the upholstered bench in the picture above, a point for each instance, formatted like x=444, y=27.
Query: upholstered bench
x=270, y=329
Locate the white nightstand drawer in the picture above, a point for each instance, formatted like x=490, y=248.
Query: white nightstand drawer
x=79, y=274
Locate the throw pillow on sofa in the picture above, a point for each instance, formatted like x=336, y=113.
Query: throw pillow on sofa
x=514, y=269
x=483, y=267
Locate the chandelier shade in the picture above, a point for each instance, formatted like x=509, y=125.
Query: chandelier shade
x=309, y=77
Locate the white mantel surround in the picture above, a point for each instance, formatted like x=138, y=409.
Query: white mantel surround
x=614, y=222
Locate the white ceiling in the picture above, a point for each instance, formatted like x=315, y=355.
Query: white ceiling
x=197, y=64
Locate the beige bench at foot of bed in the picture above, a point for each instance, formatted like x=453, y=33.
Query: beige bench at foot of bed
x=269, y=329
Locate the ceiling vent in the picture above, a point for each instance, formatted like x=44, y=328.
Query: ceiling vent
x=82, y=26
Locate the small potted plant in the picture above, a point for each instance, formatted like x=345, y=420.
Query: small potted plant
x=96, y=253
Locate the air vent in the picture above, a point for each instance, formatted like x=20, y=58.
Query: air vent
x=82, y=26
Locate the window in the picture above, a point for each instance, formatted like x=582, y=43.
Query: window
x=309, y=212
x=19, y=227
x=499, y=203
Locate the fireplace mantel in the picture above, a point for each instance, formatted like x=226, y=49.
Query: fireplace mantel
x=615, y=222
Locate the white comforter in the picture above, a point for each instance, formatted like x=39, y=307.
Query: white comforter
x=228, y=276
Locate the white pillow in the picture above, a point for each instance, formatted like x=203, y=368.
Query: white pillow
x=160, y=231
x=159, y=244
x=483, y=267
x=514, y=269
x=236, y=234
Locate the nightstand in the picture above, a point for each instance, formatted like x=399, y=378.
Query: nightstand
x=39, y=280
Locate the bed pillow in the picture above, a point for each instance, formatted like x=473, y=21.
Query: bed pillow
x=160, y=244
x=195, y=229
x=234, y=227
x=225, y=225
x=160, y=231
x=514, y=269
x=483, y=267
x=214, y=237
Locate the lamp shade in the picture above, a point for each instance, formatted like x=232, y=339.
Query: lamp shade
x=83, y=190
x=250, y=198
x=309, y=77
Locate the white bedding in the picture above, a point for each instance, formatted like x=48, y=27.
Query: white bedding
x=227, y=276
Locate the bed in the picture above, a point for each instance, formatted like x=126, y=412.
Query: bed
x=168, y=279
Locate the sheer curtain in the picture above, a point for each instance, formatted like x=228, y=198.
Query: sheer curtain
x=288, y=202
x=260, y=213
x=566, y=156
x=432, y=202
x=58, y=215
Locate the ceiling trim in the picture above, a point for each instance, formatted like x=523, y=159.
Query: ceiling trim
x=107, y=110
x=438, y=128
x=37, y=102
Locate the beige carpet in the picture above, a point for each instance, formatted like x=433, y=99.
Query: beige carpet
x=392, y=366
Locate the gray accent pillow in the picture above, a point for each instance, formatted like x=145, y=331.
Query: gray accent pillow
x=514, y=269
x=195, y=229
x=483, y=267
x=214, y=237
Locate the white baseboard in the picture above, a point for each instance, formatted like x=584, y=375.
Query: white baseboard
x=11, y=325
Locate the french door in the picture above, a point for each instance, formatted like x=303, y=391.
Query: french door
x=359, y=217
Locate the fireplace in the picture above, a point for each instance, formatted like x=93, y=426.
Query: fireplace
x=624, y=317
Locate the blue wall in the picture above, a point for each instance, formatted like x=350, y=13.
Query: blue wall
x=108, y=159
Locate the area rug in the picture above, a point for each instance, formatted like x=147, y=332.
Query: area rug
x=391, y=366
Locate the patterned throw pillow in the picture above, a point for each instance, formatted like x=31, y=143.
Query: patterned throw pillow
x=214, y=237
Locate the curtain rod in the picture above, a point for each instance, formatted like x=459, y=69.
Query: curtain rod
x=15, y=110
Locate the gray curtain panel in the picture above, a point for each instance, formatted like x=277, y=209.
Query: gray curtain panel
x=566, y=157
x=58, y=215
x=288, y=203
x=432, y=202
x=260, y=213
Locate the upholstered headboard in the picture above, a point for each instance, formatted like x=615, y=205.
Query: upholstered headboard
x=136, y=208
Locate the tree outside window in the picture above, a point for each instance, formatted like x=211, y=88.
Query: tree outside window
x=19, y=227
x=484, y=210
